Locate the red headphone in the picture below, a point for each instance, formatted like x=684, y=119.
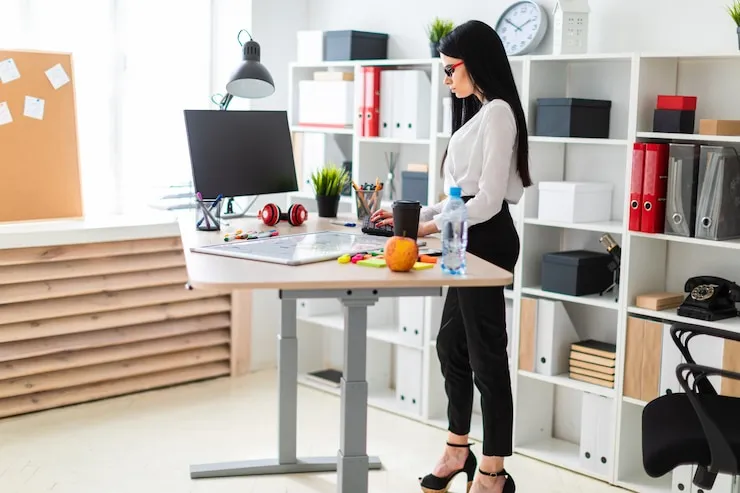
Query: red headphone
x=271, y=215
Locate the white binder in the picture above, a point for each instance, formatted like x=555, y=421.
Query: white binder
x=408, y=379
x=411, y=321
x=597, y=424
x=410, y=100
x=387, y=83
x=554, y=333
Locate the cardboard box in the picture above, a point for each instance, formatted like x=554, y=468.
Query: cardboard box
x=659, y=301
x=719, y=127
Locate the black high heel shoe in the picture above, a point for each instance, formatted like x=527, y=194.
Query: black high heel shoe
x=509, y=485
x=434, y=484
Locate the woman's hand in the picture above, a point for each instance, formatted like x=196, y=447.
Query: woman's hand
x=427, y=228
x=382, y=217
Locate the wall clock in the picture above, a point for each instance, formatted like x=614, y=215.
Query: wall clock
x=522, y=27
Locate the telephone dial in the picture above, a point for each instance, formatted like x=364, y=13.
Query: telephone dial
x=710, y=298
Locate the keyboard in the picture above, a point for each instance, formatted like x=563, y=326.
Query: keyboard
x=371, y=229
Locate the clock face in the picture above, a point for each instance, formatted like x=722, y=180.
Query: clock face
x=522, y=27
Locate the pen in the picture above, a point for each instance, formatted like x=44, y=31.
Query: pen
x=349, y=225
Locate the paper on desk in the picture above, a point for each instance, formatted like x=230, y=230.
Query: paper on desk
x=8, y=71
x=34, y=108
x=5, y=116
x=57, y=76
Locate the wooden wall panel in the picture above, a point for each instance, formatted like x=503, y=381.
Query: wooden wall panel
x=91, y=321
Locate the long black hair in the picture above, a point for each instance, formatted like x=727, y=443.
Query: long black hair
x=481, y=49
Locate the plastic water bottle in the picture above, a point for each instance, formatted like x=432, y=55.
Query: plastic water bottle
x=454, y=233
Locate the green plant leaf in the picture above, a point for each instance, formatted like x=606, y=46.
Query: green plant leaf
x=734, y=11
x=329, y=180
x=439, y=28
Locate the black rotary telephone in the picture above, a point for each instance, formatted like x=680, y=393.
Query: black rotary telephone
x=710, y=298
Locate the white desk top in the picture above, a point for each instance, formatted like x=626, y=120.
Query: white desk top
x=215, y=272
x=25, y=234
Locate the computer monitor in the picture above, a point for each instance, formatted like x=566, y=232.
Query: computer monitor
x=240, y=153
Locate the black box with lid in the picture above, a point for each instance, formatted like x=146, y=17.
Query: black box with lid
x=573, y=117
x=674, y=121
x=576, y=272
x=355, y=45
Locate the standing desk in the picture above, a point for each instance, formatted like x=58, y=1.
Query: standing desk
x=357, y=288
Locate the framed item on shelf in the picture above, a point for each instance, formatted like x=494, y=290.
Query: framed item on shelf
x=522, y=27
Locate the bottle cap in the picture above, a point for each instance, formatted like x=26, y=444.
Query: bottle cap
x=455, y=191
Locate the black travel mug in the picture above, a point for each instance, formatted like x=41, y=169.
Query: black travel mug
x=406, y=218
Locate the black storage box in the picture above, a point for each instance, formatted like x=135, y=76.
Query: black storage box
x=674, y=121
x=576, y=272
x=415, y=186
x=573, y=117
x=355, y=45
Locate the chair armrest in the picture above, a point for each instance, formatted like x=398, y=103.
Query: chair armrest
x=682, y=333
x=722, y=457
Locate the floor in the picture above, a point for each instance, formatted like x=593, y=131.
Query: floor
x=145, y=442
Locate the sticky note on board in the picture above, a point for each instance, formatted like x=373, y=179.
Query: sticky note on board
x=57, y=76
x=34, y=108
x=372, y=262
x=5, y=116
x=8, y=71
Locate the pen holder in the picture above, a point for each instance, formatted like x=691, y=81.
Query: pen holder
x=208, y=215
x=368, y=201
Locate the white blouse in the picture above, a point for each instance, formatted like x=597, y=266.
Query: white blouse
x=481, y=160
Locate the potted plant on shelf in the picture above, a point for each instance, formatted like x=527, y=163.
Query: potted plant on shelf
x=438, y=29
x=328, y=183
x=734, y=11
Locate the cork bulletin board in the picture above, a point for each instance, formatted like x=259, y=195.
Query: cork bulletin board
x=39, y=159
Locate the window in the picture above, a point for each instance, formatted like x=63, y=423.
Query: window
x=137, y=65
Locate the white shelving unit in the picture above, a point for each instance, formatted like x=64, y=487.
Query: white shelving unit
x=554, y=414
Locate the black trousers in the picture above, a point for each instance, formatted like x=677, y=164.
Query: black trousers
x=472, y=340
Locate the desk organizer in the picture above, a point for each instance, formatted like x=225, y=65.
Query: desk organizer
x=576, y=272
x=355, y=45
x=573, y=117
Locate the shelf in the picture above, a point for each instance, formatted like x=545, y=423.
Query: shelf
x=575, y=140
x=731, y=324
x=565, y=381
x=602, y=227
x=605, y=301
x=558, y=453
x=393, y=140
x=509, y=294
x=731, y=244
x=634, y=402
x=389, y=334
x=688, y=137
x=581, y=57
x=322, y=130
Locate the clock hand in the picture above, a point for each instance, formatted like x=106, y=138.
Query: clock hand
x=520, y=27
x=517, y=27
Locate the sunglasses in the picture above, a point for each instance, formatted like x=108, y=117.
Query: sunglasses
x=450, y=69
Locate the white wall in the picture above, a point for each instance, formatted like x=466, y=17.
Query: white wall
x=616, y=25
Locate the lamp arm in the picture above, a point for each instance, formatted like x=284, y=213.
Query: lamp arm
x=224, y=103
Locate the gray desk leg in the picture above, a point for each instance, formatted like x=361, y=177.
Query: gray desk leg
x=353, y=462
x=286, y=463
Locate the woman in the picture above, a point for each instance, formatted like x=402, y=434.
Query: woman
x=488, y=158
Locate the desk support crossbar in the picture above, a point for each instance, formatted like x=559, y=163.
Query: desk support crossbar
x=351, y=462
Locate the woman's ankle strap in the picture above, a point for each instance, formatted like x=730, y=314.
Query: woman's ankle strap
x=502, y=472
x=461, y=445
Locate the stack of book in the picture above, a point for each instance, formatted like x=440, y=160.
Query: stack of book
x=593, y=362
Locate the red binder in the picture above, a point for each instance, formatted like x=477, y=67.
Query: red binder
x=371, y=89
x=654, y=188
x=638, y=169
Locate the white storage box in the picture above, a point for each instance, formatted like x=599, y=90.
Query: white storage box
x=310, y=46
x=575, y=202
x=326, y=103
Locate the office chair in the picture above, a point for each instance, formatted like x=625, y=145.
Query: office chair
x=697, y=427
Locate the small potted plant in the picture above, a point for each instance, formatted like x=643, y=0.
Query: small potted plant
x=438, y=29
x=734, y=11
x=328, y=183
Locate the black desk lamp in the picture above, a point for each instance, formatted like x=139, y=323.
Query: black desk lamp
x=251, y=80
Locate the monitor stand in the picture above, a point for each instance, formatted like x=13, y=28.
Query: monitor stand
x=229, y=213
